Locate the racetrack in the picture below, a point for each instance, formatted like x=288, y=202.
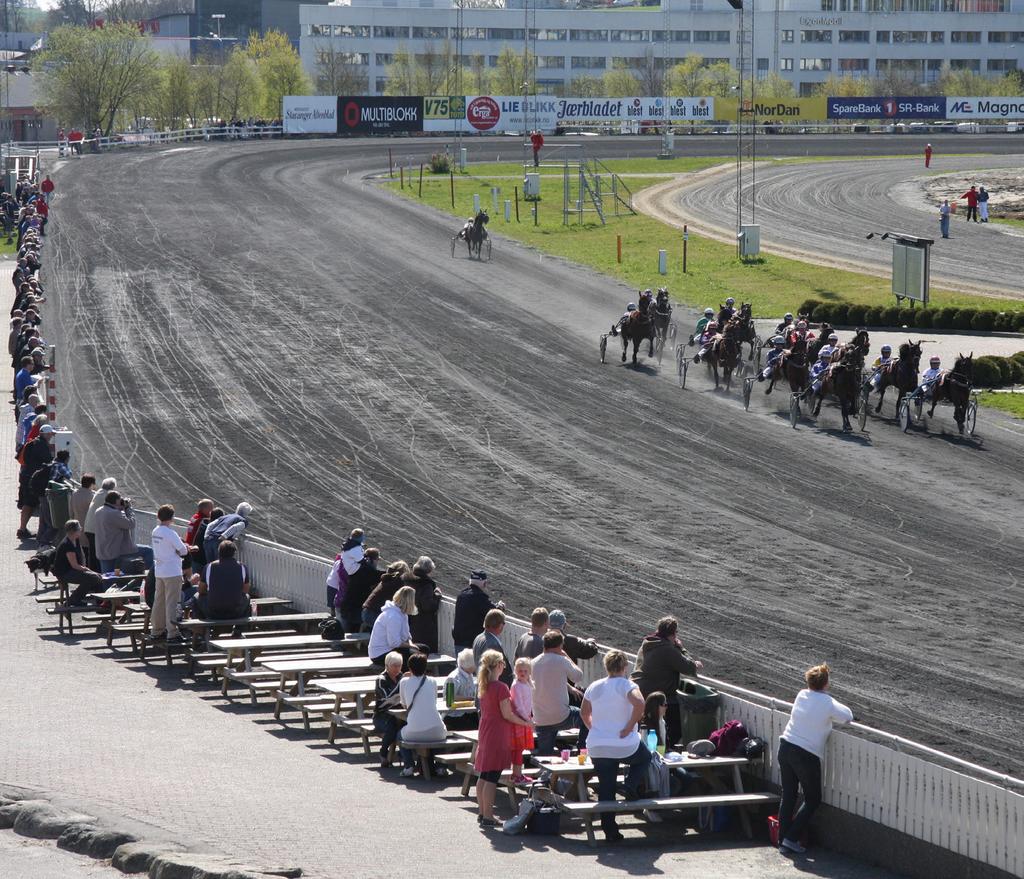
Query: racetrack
x=256, y=321
x=823, y=211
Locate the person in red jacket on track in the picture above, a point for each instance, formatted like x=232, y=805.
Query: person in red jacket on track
x=536, y=141
x=972, y=203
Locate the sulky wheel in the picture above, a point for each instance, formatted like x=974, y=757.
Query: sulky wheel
x=748, y=386
x=862, y=416
x=486, y=252
x=604, y=347
x=972, y=417
x=794, y=409
x=903, y=415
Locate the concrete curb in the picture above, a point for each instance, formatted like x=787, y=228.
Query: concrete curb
x=38, y=818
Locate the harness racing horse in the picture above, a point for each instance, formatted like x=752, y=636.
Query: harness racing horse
x=843, y=378
x=820, y=342
x=639, y=327
x=902, y=374
x=792, y=366
x=476, y=234
x=955, y=386
x=725, y=353
x=747, y=331
x=662, y=315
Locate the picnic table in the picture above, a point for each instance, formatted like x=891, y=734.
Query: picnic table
x=248, y=648
x=203, y=628
x=304, y=669
x=117, y=599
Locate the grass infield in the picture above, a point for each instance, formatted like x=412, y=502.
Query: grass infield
x=1013, y=404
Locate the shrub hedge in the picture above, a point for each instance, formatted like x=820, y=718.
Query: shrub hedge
x=997, y=372
x=979, y=319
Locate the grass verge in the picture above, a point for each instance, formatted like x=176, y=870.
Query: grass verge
x=1008, y=221
x=774, y=284
x=1013, y=404
x=644, y=165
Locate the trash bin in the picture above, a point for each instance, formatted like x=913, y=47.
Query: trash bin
x=58, y=496
x=698, y=710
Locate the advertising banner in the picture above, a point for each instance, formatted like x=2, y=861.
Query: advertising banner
x=783, y=110
x=359, y=114
x=985, y=108
x=443, y=112
x=305, y=114
x=497, y=113
x=617, y=110
x=887, y=108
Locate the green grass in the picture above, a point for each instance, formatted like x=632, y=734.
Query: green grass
x=645, y=165
x=1012, y=404
x=1007, y=221
x=8, y=249
x=773, y=284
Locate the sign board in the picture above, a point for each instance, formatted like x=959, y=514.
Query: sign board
x=788, y=109
x=497, y=114
x=910, y=272
x=359, y=114
x=443, y=112
x=887, y=108
x=305, y=114
x=984, y=108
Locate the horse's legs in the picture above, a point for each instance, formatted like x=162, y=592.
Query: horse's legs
x=935, y=402
x=845, y=408
x=771, y=384
x=636, y=349
x=714, y=368
x=625, y=344
x=881, y=396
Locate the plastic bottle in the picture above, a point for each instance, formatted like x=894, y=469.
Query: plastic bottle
x=449, y=693
x=652, y=740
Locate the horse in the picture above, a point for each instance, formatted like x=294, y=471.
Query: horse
x=820, y=342
x=638, y=328
x=955, y=386
x=860, y=340
x=725, y=352
x=792, y=366
x=844, y=378
x=902, y=373
x=476, y=234
x=747, y=330
x=662, y=314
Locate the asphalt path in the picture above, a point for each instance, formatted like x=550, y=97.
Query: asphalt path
x=259, y=322
x=824, y=211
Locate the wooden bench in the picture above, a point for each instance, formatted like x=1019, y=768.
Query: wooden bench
x=363, y=727
x=44, y=580
x=588, y=811
x=64, y=612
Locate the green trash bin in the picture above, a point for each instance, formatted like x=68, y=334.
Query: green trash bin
x=698, y=710
x=58, y=496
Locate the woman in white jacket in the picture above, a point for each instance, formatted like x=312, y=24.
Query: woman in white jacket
x=801, y=750
x=391, y=628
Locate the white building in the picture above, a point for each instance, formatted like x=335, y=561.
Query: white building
x=804, y=40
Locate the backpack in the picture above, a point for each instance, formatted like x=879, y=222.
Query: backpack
x=40, y=479
x=727, y=738
x=752, y=748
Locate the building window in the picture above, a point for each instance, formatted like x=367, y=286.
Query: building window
x=854, y=36
x=380, y=84
x=391, y=33
x=674, y=36
x=352, y=30
x=965, y=36
x=585, y=62
x=430, y=33
x=550, y=62
x=972, y=64
x=807, y=89
x=815, y=36
x=785, y=64
x=1006, y=36
x=816, y=64
x=383, y=59
x=938, y=36
x=629, y=36
x=696, y=5
x=513, y=34
x=319, y=30
x=546, y=33
x=828, y=6
x=910, y=36
x=853, y=65
x=786, y=37
x=882, y=36
x=711, y=36
x=851, y=6
x=359, y=58
x=474, y=33
x=589, y=36
x=1002, y=65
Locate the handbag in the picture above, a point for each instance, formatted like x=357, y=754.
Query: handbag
x=545, y=818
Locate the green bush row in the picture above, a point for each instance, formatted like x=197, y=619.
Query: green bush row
x=997, y=372
x=842, y=314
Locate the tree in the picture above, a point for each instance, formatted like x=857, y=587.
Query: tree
x=509, y=73
x=620, y=84
x=967, y=82
x=774, y=87
x=846, y=87
x=86, y=75
x=338, y=73
x=477, y=74
x=585, y=87
x=401, y=73
x=240, y=89
x=649, y=72
x=174, y=104
x=685, y=78
x=279, y=70
x=719, y=80
x=74, y=12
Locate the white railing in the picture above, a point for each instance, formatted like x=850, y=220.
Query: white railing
x=150, y=138
x=981, y=818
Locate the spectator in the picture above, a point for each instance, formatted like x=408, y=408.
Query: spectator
x=69, y=566
x=655, y=710
x=536, y=142
x=230, y=527
x=38, y=408
x=168, y=553
x=12, y=339
x=494, y=746
x=428, y=600
x=115, y=535
x=108, y=485
x=553, y=673
x=360, y=585
x=611, y=709
x=81, y=500
x=46, y=187
x=972, y=204
x=391, y=628
x=532, y=643
x=490, y=639
x=982, y=205
x=463, y=680
x=389, y=583
x=35, y=455
x=801, y=750
x=661, y=662
x=423, y=725
x=224, y=586
x=471, y=606
x=199, y=558
x=522, y=704
x=944, y=218
x=386, y=697
x=346, y=563
x=24, y=377
x=577, y=649
x=192, y=538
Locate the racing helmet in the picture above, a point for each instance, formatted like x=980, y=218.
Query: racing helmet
x=709, y=312
x=887, y=349
x=833, y=337
x=647, y=292
x=778, y=340
x=802, y=325
x=788, y=315
x=713, y=325
x=730, y=301
x=631, y=306
x=934, y=361
x=825, y=353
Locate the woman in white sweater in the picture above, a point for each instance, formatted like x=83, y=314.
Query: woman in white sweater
x=391, y=629
x=801, y=750
x=423, y=724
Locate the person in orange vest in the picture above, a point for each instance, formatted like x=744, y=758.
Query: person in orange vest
x=928, y=155
x=536, y=141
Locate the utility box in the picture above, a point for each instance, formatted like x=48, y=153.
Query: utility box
x=62, y=439
x=749, y=241
x=911, y=258
x=531, y=186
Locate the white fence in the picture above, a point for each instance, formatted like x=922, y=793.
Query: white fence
x=976, y=815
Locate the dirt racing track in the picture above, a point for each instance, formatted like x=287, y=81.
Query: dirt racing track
x=259, y=322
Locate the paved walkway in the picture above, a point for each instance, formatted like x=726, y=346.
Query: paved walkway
x=119, y=739
x=23, y=858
